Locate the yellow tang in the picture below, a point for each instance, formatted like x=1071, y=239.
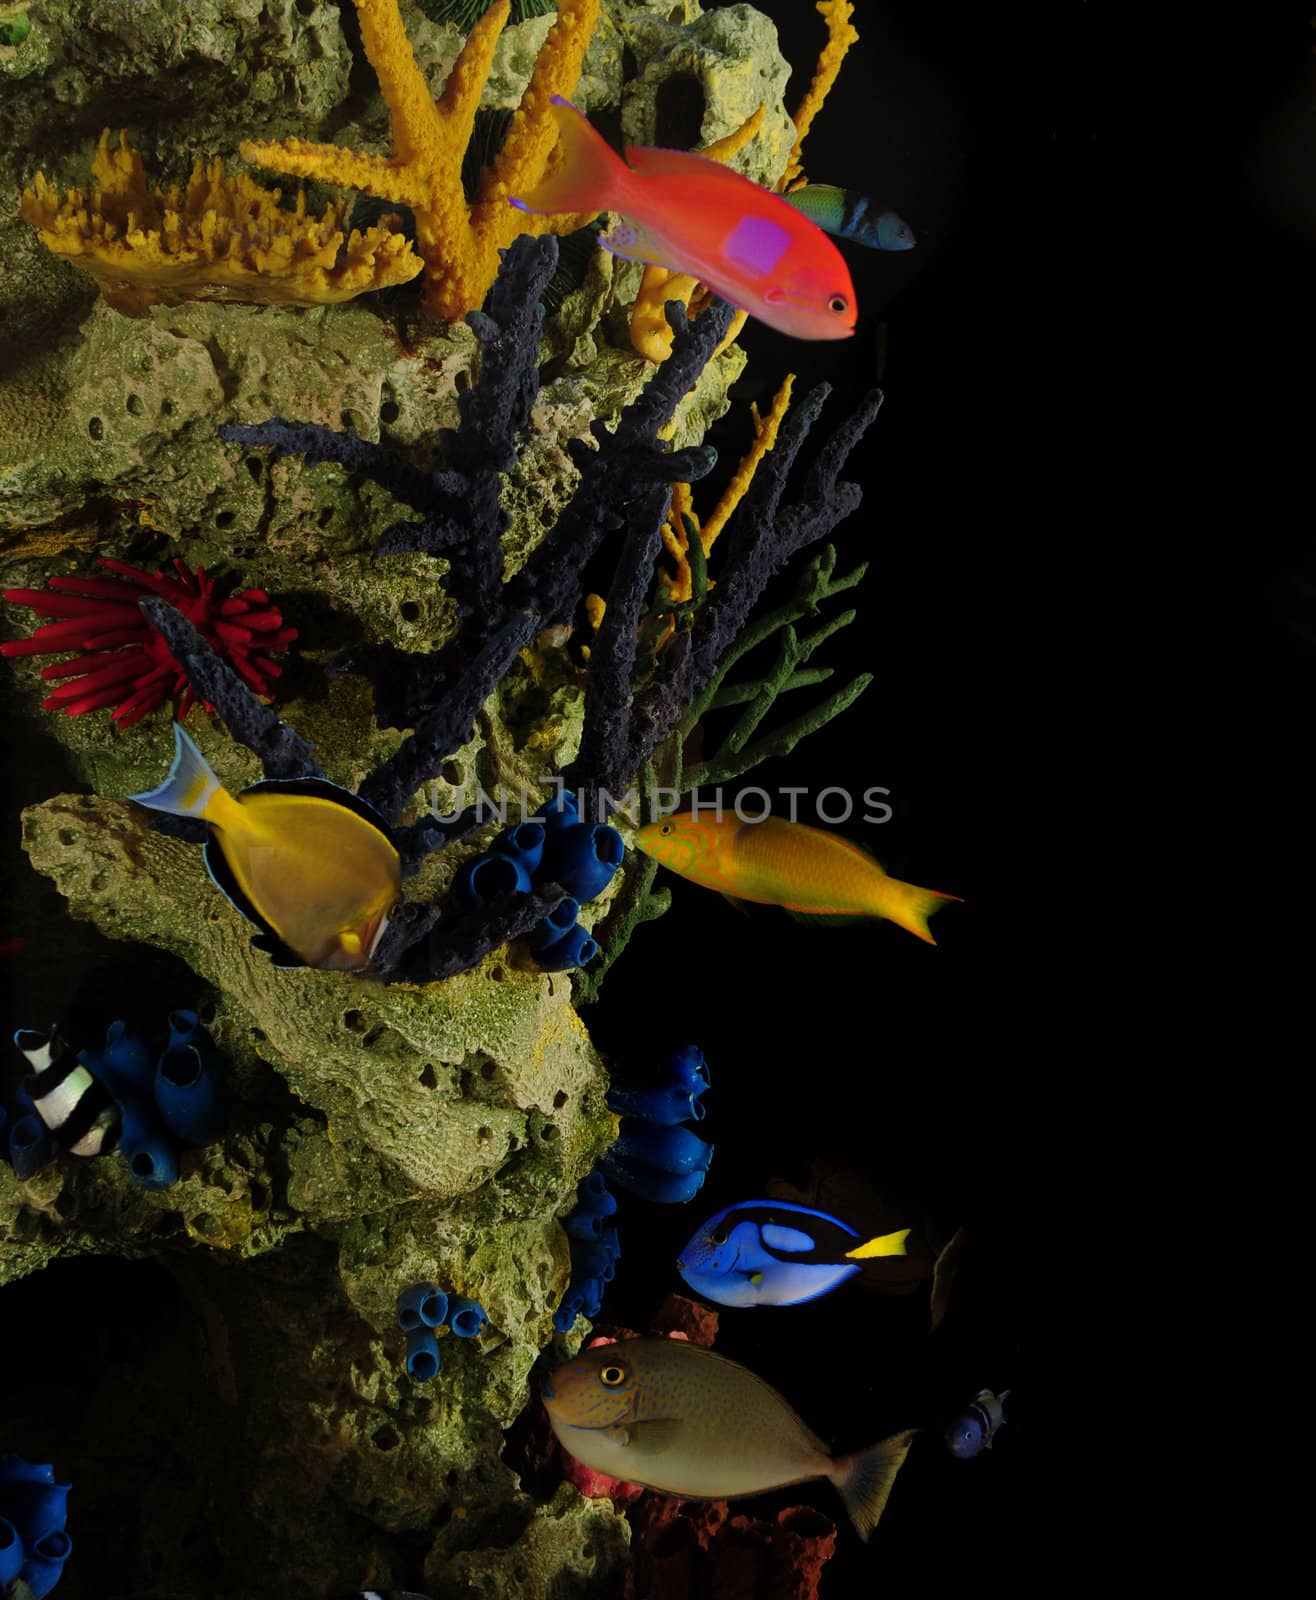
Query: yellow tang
x=309, y=863
x=814, y=875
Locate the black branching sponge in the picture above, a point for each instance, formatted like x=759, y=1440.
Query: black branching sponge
x=624, y=490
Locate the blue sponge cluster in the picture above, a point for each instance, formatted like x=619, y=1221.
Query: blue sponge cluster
x=653, y=1156
x=592, y=1235
x=424, y=1307
x=165, y=1099
x=33, y=1544
x=554, y=847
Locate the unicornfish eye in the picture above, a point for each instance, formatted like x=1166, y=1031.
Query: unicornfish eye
x=839, y=304
x=612, y=1376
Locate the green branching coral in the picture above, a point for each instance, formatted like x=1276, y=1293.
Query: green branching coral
x=736, y=755
x=638, y=901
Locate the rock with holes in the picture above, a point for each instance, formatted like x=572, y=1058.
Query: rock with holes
x=700, y=76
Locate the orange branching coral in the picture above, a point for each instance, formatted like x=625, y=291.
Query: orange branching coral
x=681, y=519
x=212, y=238
x=459, y=240
x=840, y=36
x=650, y=333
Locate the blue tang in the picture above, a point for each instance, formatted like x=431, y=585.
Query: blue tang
x=772, y=1253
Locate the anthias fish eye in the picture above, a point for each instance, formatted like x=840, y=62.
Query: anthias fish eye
x=839, y=304
x=612, y=1376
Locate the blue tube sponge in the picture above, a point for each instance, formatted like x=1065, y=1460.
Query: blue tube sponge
x=582, y=1225
x=525, y=843
x=184, y=1028
x=661, y=1108
x=147, y=1145
x=556, y=925
x=36, y=1507
x=422, y=1305
x=651, y=1183
x=466, y=1317
x=45, y=1566
x=575, y=948
x=668, y=1149
x=30, y=1146
x=583, y=858
x=12, y=1553
x=126, y=1061
x=596, y=1258
x=559, y=812
x=422, y=1354
x=486, y=877
x=564, y=1318
x=188, y=1091
x=689, y=1069
x=591, y=1296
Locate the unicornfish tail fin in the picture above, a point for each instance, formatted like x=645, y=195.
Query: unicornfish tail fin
x=914, y=906
x=865, y=1478
x=885, y=1244
x=589, y=175
x=190, y=787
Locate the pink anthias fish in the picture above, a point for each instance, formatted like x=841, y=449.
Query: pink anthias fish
x=694, y=215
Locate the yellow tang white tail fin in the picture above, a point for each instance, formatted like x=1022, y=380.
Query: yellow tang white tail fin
x=191, y=786
x=865, y=1478
x=913, y=906
x=589, y=175
x=886, y=1244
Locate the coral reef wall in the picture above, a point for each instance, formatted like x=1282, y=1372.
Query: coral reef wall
x=380, y=1133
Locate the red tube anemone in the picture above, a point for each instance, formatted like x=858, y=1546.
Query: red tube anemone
x=120, y=660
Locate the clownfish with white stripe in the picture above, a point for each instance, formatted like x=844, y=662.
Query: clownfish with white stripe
x=313, y=866
x=72, y=1102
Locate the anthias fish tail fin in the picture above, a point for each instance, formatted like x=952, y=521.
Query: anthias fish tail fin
x=886, y=1244
x=190, y=786
x=916, y=906
x=865, y=1478
x=589, y=175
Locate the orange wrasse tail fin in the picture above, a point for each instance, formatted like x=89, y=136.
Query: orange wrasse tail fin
x=864, y=1479
x=886, y=1244
x=915, y=906
x=589, y=175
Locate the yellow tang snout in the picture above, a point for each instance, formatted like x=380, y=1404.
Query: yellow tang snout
x=595, y=1390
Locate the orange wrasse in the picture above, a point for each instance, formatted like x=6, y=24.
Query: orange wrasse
x=778, y=863
x=694, y=215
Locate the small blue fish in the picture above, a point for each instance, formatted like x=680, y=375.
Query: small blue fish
x=771, y=1253
x=852, y=216
x=977, y=1425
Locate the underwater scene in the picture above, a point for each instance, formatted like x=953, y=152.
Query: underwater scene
x=517, y=1065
